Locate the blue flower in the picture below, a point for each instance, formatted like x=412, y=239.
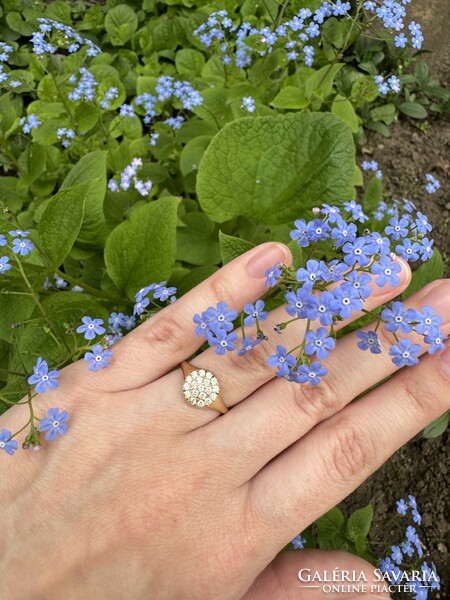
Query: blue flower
x=98, y=358
x=220, y=339
x=42, y=377
x=247, y=345
x=348, y=300
x=397, y=317
x=3, y=241
x=422, y=224
x=335, y=270
x=427, y=320
x=407, y=548
x=377, y=244
x=387, y=272
x=5, y=265
x=298, y=303
x=272, y=275
x=248, y=103
x=55, y=423
x=436, y=339
x=396, y=554
x=318, y=230
x=282, y=360
x=416, y=516
x=255, y=311
x=315, y=271
x=360, y=282
x=6, y=443
x=163, y=293
x=433, y=184
x=402, y=507
x=397, y=228
x=29, y=123
x=202, y=323
x=319, y=342
x=323, y=307
x=116, y=321
x=221, y=316
x=426, y=249
x=22, y=246
x=405, y=353
x=357, y=252
x=400, y=40
x=91, y=327
x=311, y=374
x=140, y=306
x=369, y=341
x=298, y=542
x=408, y=250
x=343, y=232
x=332, y=212
x=300, y=234
x=129, y=322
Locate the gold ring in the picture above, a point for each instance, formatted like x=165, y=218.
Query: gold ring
x=201, y=388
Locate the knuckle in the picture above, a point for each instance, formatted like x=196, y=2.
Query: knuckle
x=316, y=402
x=221, y=290
x=421, y=394
x=253, y=365
x=349, y=452
x=165, y=332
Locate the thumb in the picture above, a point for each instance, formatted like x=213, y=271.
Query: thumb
x=280, y=580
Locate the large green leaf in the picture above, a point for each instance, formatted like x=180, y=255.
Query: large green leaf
x=91, y=169
x=61, y=222
x=141, y=250
x=231, y=247
x=359, y=522
x=273, y=169
x=120, y=23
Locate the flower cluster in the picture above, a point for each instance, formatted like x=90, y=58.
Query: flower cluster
x=248, y=103
x=85, y=86
x=422, y=578
x=237, y=41
x=433, y=184
x=324, y=293
x=28, y=123
x=391, y=85
x=128, y=177
x=53, y=35
x=160, y=291
x=216, y=324
x=65, y=135
x=111, y=94
x=372, y=165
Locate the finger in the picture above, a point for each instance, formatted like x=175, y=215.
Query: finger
x=166, y=339
x=281, y=412
x=239, y=376
x=340, y=453
x=286, y=577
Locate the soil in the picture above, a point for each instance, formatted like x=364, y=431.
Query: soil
x=422, y=467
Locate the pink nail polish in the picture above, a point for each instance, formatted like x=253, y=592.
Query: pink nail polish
x=267, y=256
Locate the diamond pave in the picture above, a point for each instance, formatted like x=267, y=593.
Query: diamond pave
x=200, y=388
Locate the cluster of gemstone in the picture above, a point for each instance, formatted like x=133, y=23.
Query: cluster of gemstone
x=201, y=388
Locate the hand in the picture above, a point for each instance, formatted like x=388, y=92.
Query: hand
x=146, y=496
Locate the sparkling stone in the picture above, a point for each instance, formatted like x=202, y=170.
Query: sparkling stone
x=201, y=388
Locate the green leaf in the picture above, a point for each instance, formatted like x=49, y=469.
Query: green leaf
x=437, y=427
x=330, y=523
x=121, y=22
x=197, y=242
x=385, y=113
x=429, y=271
x=364, y=90
x=414, y=110
x=231, y=247
x=192, y=153
x=189, y=62
x=273, y=169
x=372, y=194
x=359, y=522
x=91, y=167
x=58, y=11
x=61, y=222
x=343, y=109
x=14, y=309
x=142, y=249
x=321, y=82
x=290, y=97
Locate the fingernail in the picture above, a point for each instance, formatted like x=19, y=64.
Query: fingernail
x=438, y=297
x=267, y=256
x=405, y=278
x=445, y=361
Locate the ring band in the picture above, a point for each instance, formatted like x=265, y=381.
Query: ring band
x=201, y=388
